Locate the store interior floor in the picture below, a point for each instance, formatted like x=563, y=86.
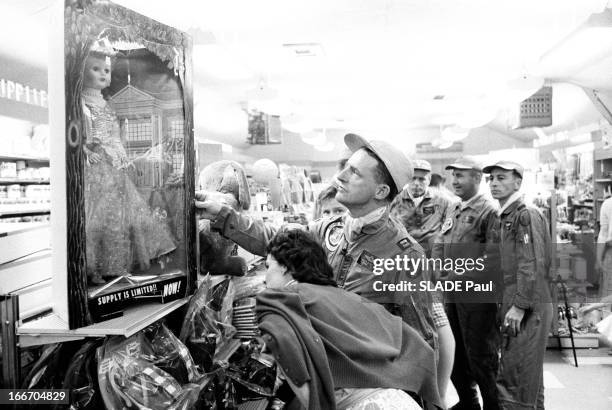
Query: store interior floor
x=589, y=384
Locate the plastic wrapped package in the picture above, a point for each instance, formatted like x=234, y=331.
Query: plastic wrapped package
x=208, y=322
x=252, y=374
x=49, y=370
x=168, y=353
x=82, y=378
x=149, y=370
x=248, y=286
x=145, y=386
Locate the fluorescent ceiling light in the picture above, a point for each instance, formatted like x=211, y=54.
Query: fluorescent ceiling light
x=327, y=147
x=454, y=133
x=587, y=45
x=316, y=138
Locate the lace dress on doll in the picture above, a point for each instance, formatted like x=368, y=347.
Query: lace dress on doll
x=122, y=232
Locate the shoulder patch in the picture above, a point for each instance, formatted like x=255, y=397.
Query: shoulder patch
x=333, y=234
x=448, y=223
x=524, y=218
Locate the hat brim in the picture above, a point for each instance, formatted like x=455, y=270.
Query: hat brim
x=355, y=142
x=489, y=168
x=460, y=166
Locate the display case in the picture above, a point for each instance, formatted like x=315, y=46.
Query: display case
x=123, y=230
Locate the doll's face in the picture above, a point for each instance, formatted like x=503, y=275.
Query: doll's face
x=97, y=73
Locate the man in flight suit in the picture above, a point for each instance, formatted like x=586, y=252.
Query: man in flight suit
x=526, y=310
x=470, y=232
x=420, y=209
x=373, y=175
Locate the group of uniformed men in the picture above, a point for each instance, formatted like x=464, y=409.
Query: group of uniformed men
x=495, y=341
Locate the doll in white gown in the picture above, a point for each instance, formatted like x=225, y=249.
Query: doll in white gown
x=123, y=234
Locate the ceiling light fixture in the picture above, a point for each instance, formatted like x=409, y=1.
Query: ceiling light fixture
x=316, y=138
x=586, y=45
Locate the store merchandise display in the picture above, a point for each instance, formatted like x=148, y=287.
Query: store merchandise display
x=245, y=319
x=154, y=369
x=128, y=158
x=208, y=323
x=151, y=369
x=218, y=254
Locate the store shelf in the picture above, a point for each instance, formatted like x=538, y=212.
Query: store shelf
x=53, y=328
x=22, y=181
x=602, y=180
x=581, y=341
x=25, y=212
x=7, y=157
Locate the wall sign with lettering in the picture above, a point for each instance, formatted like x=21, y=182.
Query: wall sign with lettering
x=15, y=91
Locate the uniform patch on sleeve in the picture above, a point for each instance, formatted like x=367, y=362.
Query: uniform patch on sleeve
x=366, y=259
x=333, y=235
x=448, y=223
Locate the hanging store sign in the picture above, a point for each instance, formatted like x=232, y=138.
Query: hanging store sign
x=15, y=91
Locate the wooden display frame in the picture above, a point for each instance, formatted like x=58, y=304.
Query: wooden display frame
x=74, y=30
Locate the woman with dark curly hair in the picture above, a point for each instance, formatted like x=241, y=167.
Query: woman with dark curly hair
x=336, y=349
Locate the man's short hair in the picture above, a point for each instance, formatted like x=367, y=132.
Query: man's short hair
x=382, y=175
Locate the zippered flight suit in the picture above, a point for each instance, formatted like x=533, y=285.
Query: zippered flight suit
x=422, y=221
x=470, y=231
x=525, y=260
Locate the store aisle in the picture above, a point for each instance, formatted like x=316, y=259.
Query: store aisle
x=590, y=384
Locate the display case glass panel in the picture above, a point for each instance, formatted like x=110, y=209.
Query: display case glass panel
x=129, y=160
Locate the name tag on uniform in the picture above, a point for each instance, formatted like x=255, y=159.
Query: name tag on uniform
x=428, y=210
x=468, y=219
x=366, y=259
x=404, y=243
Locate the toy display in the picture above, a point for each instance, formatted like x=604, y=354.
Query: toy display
x=129, y=161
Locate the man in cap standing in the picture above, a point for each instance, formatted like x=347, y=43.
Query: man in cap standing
x=354, y=242
x=419, y=208
x=469, y=232
x=525, y=246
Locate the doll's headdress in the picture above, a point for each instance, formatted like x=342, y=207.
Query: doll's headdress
x=102, y=48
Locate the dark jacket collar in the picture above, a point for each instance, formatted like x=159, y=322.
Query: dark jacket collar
x=512, y=207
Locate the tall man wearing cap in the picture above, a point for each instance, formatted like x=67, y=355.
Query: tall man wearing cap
x=373, y=175
x=526, y=309
x=470, y=232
